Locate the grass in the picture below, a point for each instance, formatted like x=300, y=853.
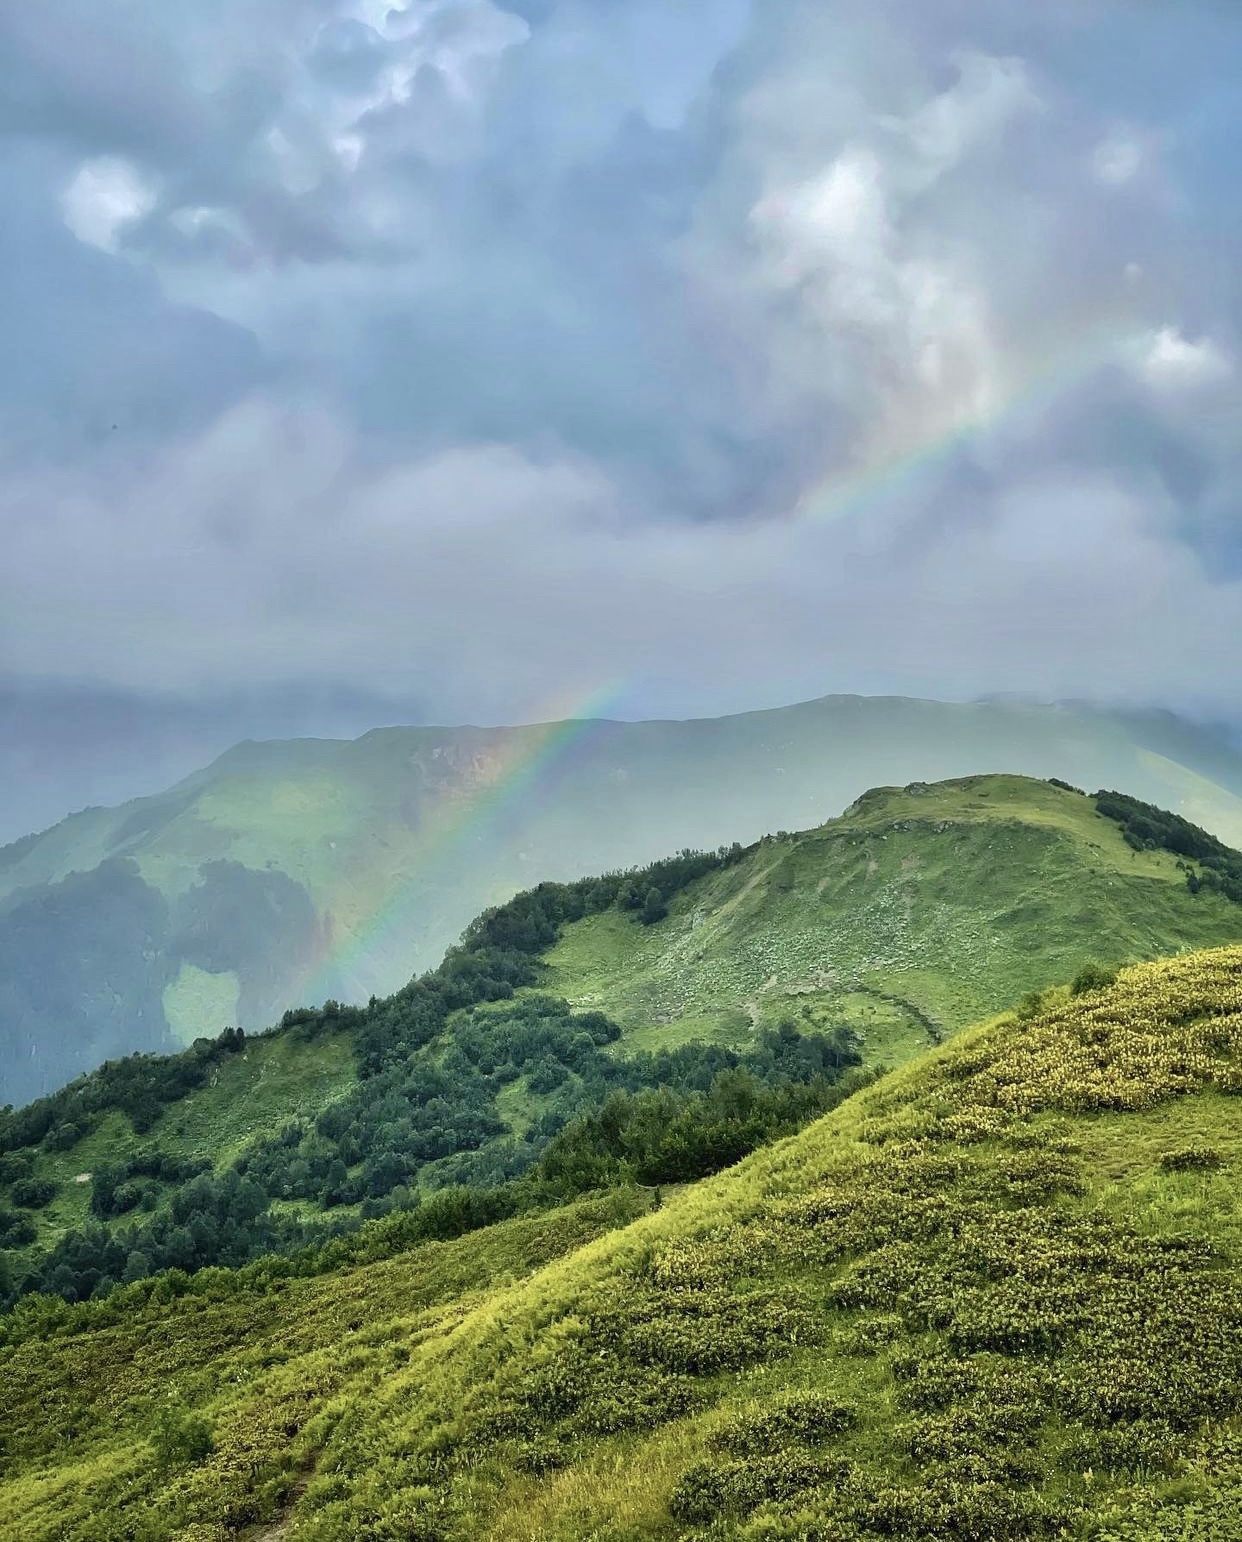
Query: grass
x=277, y=1078
x=972, y=1302
x=917, y=912
x=196, y=997
x=76, y=1410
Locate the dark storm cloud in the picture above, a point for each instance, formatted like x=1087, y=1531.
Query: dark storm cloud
x=483, y=354
x=92, y=348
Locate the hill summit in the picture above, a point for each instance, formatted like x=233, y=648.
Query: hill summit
x=920, y=910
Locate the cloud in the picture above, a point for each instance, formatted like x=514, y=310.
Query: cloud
x=469, y=350
x=99, y=359
x=1170, y=362
x=104, y=197
x=1117, y=159
x=505, y=580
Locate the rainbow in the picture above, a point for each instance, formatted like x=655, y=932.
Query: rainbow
x=529, y=760
x=888, y=473
x=535, y=752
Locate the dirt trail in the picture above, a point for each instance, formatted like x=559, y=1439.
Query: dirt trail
x=751, y=1006
x=278, y=1530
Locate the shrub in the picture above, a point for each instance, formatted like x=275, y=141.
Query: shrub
x=33, y=1193
x=180, y=1438
x=714, y=1489
x=1092, y=977
x=16, y=1230
x=1192, y=1159
x=806, y=1418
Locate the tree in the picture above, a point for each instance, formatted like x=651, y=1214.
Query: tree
x=336, y=1183
x=104, y=1185
x=654, y=909
x=383, y=1172
x=33, y=1193
x=137, y=1267
x=63, y=1282
x=16, y=1230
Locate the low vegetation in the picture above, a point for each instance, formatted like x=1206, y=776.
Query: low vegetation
x=921, y=910
x=994, y=1295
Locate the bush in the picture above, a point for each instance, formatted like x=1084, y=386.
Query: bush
x=804, y=1419
x=1192, y=1159
x=33, y=1193
x=16, y=1230
x=1092, y=977
x=180, y=1438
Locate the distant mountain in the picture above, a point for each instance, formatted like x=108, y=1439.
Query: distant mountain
x=308, y=869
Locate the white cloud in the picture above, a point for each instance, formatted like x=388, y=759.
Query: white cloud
x=899, y=304
x=973, y=114
x=106, y=195
x=838, y=218
x=1117, y=159
x=920, y=322
x=1169, y=361
x=440, y=66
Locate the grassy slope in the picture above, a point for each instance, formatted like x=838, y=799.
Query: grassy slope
x=917, y=912
x=270, y=1363
x=1032, y=1327
x=278, y=1077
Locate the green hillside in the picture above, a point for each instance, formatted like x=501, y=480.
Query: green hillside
x=919, y=911
x=995, y=1296
x=302, y=870
x=649, y=1026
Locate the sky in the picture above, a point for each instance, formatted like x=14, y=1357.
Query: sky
x=468, y=361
